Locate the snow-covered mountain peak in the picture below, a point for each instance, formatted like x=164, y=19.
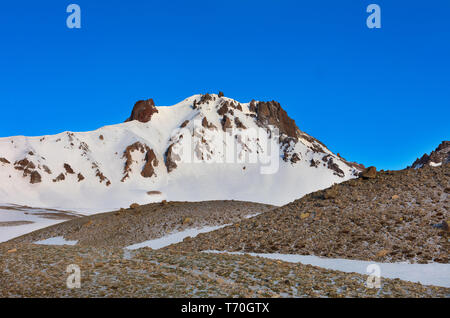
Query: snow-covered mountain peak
x=204, y=147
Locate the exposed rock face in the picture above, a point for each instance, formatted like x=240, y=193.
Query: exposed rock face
x=184, y=124
x=35, y=177
x=47, y=169
x=439, y=156
x=369, y=173
x=150, y=162
x=271, y=113
x=333, y=166
x=68, y=169
x=80, y=177
x=61, y=177
x=143, y=111
x=171, y=157
x=239, y=124
x=206, y=124
x=226, y=123
x=4, y=160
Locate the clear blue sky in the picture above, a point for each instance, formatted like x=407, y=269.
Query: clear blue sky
x=376, y=96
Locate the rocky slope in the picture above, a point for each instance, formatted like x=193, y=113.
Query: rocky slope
x=109, y=272
x=207, y=147
x=439, y=156
x=142, y=223
x=387, y=216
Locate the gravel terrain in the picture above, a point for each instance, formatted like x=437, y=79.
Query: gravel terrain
x=30, y=270
x=396, y=216
x=141, y=223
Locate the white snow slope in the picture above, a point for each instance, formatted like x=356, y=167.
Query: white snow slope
x=99, y=157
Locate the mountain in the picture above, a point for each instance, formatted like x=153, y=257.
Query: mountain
x=436, y=158
x=207, y=147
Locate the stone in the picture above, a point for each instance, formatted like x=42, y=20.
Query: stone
x=134, y=206
x=369, y=173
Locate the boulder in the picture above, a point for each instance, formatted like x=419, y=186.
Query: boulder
x=369, y=173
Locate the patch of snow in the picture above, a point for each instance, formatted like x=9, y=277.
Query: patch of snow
x=59, y=240
x=434, y=164
x=24, y=214
x=427, y=274
x=174, y=238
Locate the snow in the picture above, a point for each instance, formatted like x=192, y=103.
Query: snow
x=434, y=164
x=199, y=180
x=15, y=214
x=174, y=238
x=59, y=240
x=427, y=274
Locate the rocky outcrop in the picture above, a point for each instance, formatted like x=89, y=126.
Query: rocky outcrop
x=239, y=124
x=226, y=123
x=223, y=109
x=207, y=124
x=271, y=113
x=170, y=158
x=35, y=177
x=4, y=160
x=441, y=155
x=68, y=169
x=59, y=178
x=150, y=160
x=143, y=111
x=184, y=124
x=369, y=173
x=150, y=163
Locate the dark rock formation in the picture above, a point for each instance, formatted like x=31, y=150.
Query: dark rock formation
x=226, y=123
x=205, y=98
x=220, y=94
x=184, y=124
x=239, y=124
x=271, y=113
x=4, y=160
x=80, y=177
x=35, y=177
x=369, y=173
x=143, y=111
x=150, y=162
x=68, y=168
x=170, y=158
x=314, y=163
x=61, y=177
x=295, y=157
x=223, y=109
x=334, y=166
x=47, y=169
x=206, y=124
